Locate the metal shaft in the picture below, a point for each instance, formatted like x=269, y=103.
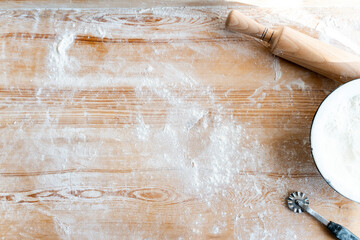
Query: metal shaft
x=307, y=209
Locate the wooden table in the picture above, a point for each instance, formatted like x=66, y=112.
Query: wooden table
x=150, y=121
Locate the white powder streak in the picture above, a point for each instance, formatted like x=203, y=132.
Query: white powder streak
x=210, y=149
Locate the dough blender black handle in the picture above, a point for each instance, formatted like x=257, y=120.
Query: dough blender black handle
x=341, y=232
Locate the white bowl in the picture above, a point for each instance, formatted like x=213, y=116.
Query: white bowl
x=335, y=140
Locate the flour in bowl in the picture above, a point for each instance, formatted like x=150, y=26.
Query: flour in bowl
x=335, y=139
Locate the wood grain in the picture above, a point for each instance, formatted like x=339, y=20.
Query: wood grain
x=154, y=123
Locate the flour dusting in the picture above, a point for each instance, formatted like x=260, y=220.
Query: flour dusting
x=131, y=119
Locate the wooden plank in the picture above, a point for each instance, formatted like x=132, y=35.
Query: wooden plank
x=116, y=4
x=172, y=3
x=155, y=123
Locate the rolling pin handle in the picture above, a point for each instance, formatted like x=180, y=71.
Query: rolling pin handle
x=237, y=22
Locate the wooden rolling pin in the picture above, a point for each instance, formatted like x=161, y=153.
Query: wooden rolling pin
x=299, y=48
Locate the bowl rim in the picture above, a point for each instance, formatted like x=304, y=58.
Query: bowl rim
x=311, y=146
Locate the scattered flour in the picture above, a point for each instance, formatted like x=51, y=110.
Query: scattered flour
x=298, y=83
x=203, y=147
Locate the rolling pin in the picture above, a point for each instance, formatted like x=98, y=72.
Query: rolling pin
x=299, y=48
